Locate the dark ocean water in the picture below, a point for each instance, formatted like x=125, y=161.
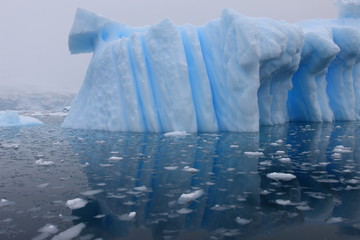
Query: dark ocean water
x=133, y=183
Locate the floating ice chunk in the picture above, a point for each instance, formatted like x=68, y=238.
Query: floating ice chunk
x=283, y=202
x=280, y=153
x=335, y=220
x=285, y=160
x=141, y=189
x=43, y=185
x=46, y=231
x=184, y=211
x=220, y=208
x=10, y=145
x=190, y=170
x=281, y=176
x=254, y=154
x=12, y=118
x=171, y=168
x=76, y=203
x=342, y=149
x=70, y=233
x=4, y=203
x=304, y=208
x=176, y=134
x=49, y=228
x=42, y=162
x=92, y=192
x=114, y=159
x=242, y=221
x=99, y=216
x=128, y=217
x=188, y=197
x=106, y=165
x=336, y=156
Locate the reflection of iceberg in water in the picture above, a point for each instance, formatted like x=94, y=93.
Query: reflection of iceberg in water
x=238, y=200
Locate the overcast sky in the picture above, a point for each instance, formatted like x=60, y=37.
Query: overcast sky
x=33, y=34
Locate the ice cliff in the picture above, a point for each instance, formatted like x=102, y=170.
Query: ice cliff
x=230, y=74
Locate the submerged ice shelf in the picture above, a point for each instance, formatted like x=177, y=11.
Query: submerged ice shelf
x=230, y=74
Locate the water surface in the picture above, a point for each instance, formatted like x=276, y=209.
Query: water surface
x=118, y=174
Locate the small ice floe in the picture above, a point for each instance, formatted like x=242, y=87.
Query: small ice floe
x=76, y=203
x=129, y=203
x=101, y=184
x=70, y=233
x=99, y=216
x=234, y=146
x=280, y=152
x=220, y=208
x=335, y=220
x=285, y=160
x=342, y=149
x=128, y=217
x=141, y=189
x=176, y=134
x=10, y=145
x=106, y=165
x=265, y=163
x=353, y=181
x=279, y=141
x=274, y=144
x=242, y=221
x=188, y=197
x=336, y=156
x=265, y=192
x=316, y=195
x=46, y=231
x=4, y=203
x=304, y=208
x=111, y=195
x=42, y=162
x=254, y=154
x=43, y=185
x=228, y=232
x=283, y=202
x=281, y=176
x=184, y=211
x=171, y=168
x=115, y=159
x=92, y=192
x=210, y=183
x=190, y=169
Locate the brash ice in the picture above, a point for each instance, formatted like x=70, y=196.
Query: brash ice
x=230, y=74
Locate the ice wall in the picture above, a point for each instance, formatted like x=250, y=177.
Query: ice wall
x=230, y=74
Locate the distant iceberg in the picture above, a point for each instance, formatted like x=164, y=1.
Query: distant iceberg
x=12, y=118
x=230, y=74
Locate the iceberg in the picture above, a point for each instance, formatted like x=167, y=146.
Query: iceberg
x=12, y=118
x=234, y=73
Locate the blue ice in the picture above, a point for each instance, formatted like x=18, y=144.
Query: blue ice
x=230, y=74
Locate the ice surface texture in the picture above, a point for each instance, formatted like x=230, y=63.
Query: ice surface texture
x=230, y=74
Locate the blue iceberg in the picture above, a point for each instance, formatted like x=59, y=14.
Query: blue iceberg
x=230, y=74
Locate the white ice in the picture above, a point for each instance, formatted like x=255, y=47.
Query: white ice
x=70, y=233
x=189, y=197
x=281, y=176
x=76, y=203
